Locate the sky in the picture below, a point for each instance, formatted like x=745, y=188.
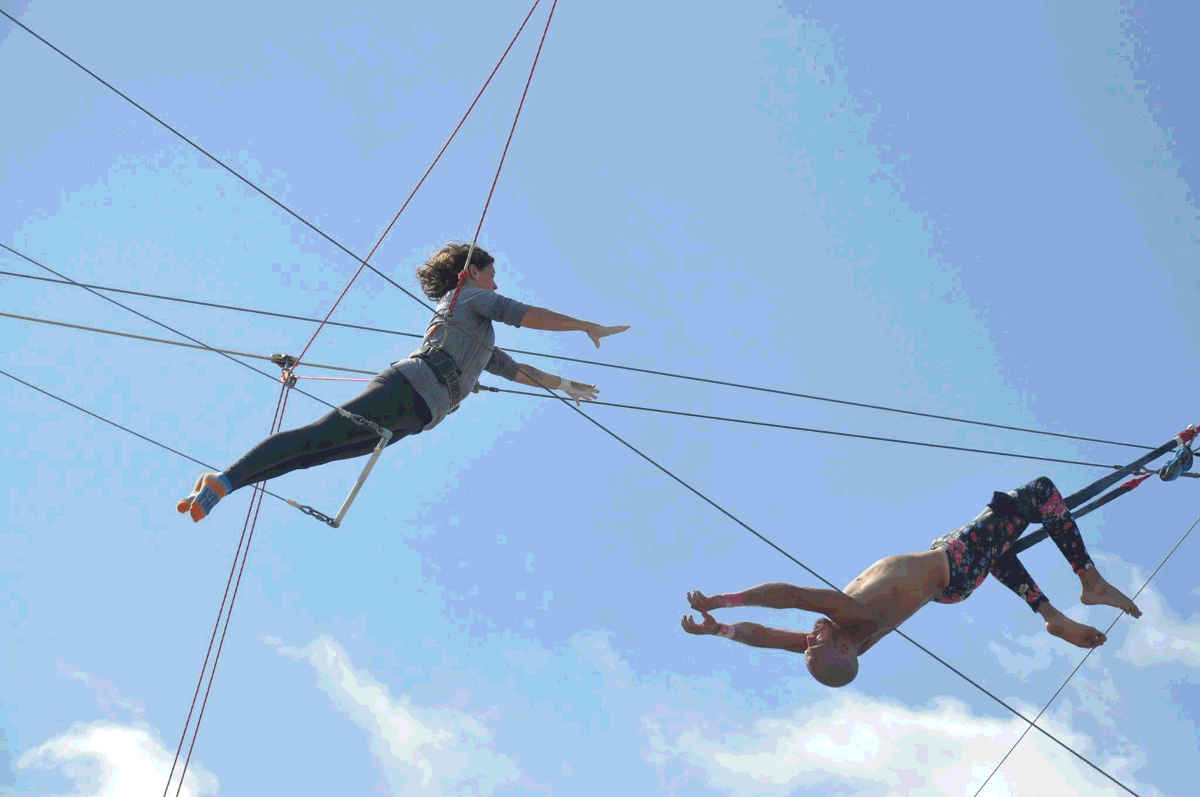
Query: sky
x=938, y=207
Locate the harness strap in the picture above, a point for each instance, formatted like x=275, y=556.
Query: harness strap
x=445, y=370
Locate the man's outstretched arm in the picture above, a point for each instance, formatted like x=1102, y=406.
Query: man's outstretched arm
x=760, y=636
x=839, y=607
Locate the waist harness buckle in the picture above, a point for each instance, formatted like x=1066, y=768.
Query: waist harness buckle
x=445, y=370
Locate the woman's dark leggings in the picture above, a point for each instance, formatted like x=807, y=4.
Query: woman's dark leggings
x=389, y=401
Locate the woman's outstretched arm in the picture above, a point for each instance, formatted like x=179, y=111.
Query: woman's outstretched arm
x=534, y=377
x=550, y=321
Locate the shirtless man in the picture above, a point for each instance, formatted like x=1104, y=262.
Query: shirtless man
x=890, y=591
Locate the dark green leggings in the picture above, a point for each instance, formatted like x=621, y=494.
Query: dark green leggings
x=389, y=401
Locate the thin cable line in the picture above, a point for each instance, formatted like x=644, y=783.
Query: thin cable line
x=421, y=182
x=638, y=407
x=1086, y=656
x=830, y=584
x=125, y=429
x=140, y=314
x=413, y=296
x=165, y=342
x=255, y=507
x=326, y=236
x=211, y=639
x=584, y=361
x=601, y=426
x=736, y=520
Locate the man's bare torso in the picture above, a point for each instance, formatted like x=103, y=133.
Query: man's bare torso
x=893, y=589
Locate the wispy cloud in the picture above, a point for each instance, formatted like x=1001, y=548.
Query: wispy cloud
x=107, y=695
x=1162, y=636
x=1027, y=654
x=107, y=759
x=850, y=741
x=431, y=750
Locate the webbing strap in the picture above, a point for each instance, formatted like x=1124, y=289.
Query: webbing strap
x=1095, y=488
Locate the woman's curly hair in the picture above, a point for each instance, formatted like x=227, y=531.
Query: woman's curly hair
x=439, y=275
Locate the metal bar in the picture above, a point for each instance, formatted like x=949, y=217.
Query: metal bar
x=366, y=471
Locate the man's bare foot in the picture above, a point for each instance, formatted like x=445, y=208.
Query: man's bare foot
x=1078, y=634
x=1100, y=592
x=701, y=602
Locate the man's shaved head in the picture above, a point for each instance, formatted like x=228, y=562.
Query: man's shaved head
x=831, y=657
x=831, y=666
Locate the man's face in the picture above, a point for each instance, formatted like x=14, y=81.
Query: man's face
x=823, y=633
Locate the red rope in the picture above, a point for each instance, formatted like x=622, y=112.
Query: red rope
x=462, y=275
x=247, y=526
x=421, y=182
x=256, y=499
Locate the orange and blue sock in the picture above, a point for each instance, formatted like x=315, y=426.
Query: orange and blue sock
x=210, y=488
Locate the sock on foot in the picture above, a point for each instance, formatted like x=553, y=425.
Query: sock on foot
x=210, y=488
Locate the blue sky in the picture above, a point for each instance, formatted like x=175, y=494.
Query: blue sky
x=980, y=213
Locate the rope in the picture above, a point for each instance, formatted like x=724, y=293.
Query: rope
x=212, y=637
x=199, y=343
x=504, y=154
x=1086, y=656
x=592, y=420
x=421, y=182
x=249, y=183
x=741, y=523
x=641, y=408
x=583, y=361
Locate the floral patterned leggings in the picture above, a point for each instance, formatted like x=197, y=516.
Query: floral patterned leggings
x=981, y=546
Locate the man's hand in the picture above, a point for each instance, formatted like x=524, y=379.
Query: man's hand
x=595, y=332
x=709, y=626
x=701, y=602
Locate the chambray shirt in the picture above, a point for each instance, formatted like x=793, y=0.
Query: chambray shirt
x=468, y=337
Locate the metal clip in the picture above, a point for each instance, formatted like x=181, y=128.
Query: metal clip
x=286, y=363
x=313, y=513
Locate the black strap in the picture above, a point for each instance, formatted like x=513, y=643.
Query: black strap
x=445, y=370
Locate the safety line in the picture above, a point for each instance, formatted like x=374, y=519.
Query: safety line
x=727, y=514
x=255, y=507
x=1087, y=655
x=638, y=407
x=565, y=401
x=123, y=428
x=212, y=637
x=278, y=203
x=584, y=361
x=165, y=342
x=413, y=296
x=421, y=182
x=200, y=343
x=821, y=578
x=462, y=274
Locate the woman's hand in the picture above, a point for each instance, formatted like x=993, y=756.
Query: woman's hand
x=595, y=332
x=577, y=390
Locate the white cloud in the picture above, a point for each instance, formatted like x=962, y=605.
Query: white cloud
x=106, y=759
x=1161, y=636
x=850, y=743
x=431, y=750
x=1032, y=653
x=107, y=695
